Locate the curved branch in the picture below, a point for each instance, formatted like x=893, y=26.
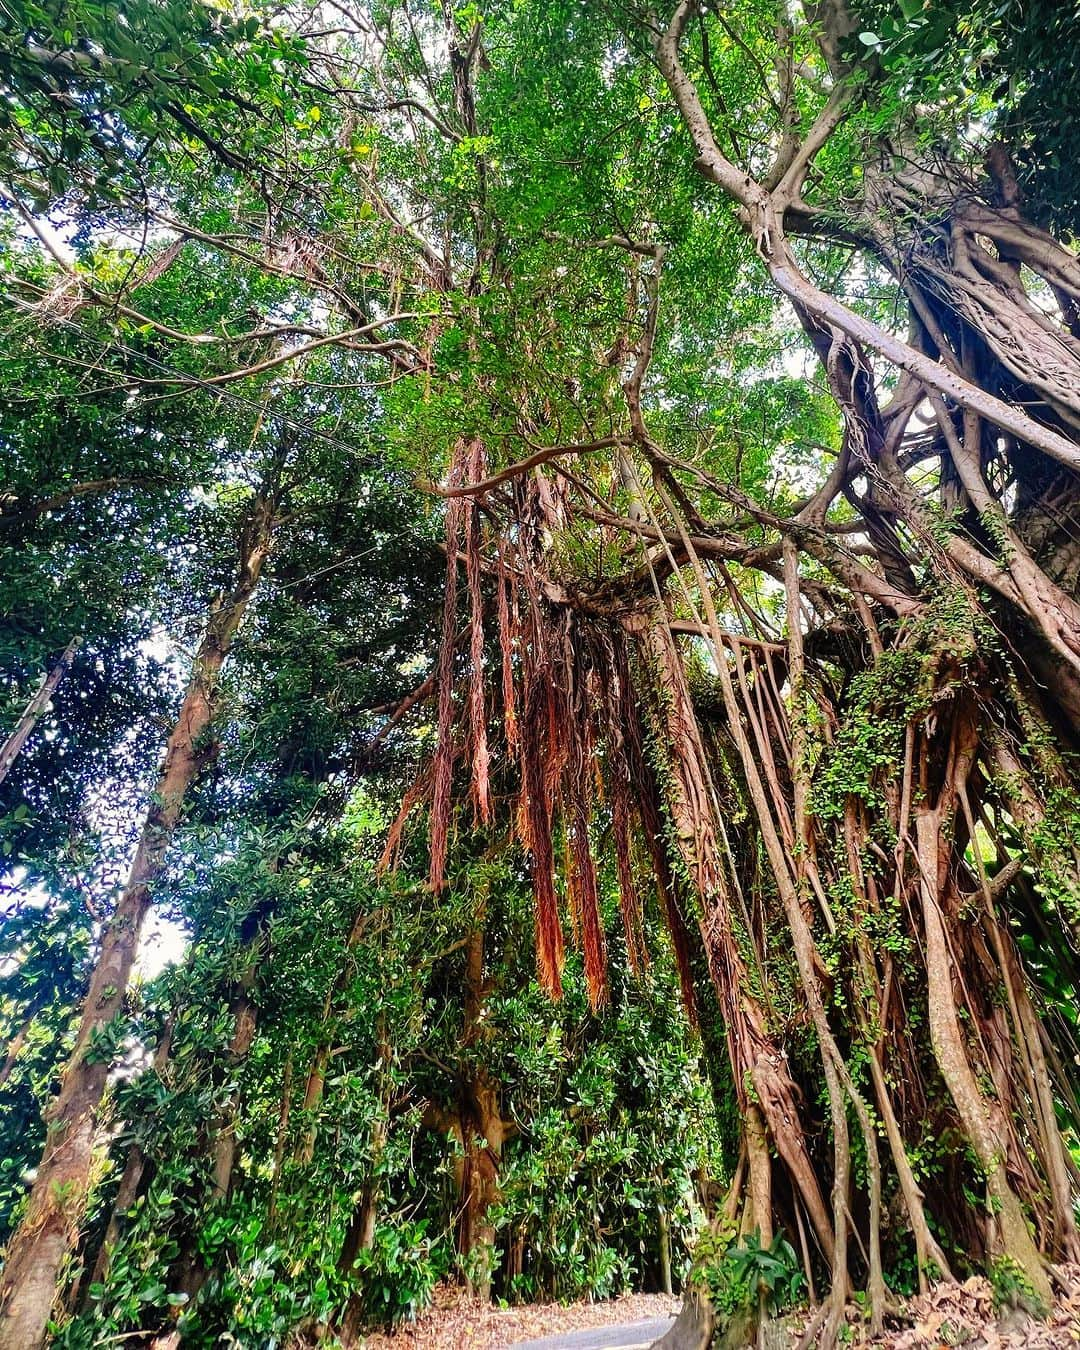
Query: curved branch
x=549, y=452
x=18, y=510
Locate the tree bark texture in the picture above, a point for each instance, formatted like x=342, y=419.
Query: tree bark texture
x=49, y=1230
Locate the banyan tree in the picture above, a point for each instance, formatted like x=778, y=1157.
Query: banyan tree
x=740, y=345
x=825, y=734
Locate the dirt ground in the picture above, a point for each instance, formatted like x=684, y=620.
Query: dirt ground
x=951, y=1315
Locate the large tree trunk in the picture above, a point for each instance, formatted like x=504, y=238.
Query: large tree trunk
x=767, y=1096
x=1001, y=376
x=50, y=1228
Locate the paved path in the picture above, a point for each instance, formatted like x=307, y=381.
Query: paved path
x=633, y=1336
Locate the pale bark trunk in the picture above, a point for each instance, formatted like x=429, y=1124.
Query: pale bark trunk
x=17, y=1041
x=50, y=1227
x=9, y=753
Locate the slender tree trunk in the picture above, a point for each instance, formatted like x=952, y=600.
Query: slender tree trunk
x=360, y=1234
x=131, y=1178
x=245, y=1019
x=126, y=1194
x=282, y=1135
x=955, y=1066
x=316, y=1078
x=50, y=1227
x=9, y=753
x=663, y=1238
x=189, y=1272
x=359, y=1237
x=313, y=1091
x=483, y=1129
x=17, y=1041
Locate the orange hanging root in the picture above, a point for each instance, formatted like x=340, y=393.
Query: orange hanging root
x=443, y=768
x=549, y=933
x=507, y=632
x=481, y=758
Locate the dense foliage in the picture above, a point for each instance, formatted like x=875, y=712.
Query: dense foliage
x=570, y=513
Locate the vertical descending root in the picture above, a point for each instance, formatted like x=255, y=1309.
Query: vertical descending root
x=952, y=1058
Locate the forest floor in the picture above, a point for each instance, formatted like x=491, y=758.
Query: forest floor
x=964, y=1315
x=950, y=1315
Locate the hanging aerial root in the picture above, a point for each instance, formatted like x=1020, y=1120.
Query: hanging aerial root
x=646, y=794
x=629, y=898
x=481, y=758
x=506, y=604
x=416, y=792
x=443, y=768
x=581, y=879
x=549, y=933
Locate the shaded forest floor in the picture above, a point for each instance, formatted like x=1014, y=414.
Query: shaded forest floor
x=951, y=1315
